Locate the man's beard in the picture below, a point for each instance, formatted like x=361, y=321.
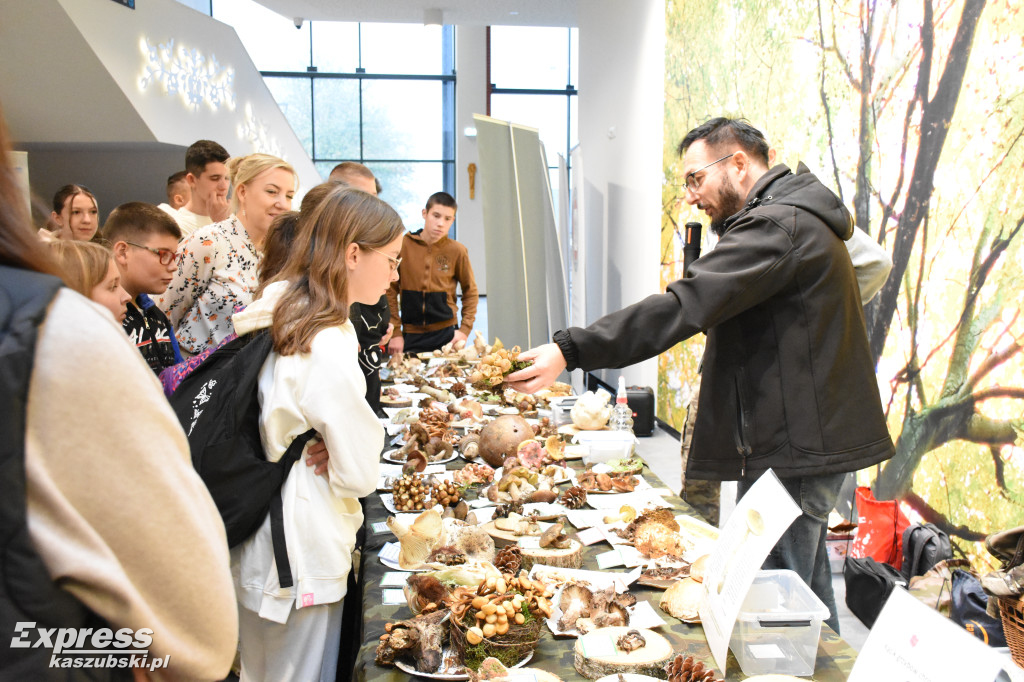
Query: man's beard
x=729, y=204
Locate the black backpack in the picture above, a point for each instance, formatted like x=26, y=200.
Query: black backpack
x=868, y=586
x=924, y=545
x=218, y=406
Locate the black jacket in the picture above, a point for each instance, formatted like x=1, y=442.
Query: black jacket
x=788, y=382
x=30, y=602
x=151, y=332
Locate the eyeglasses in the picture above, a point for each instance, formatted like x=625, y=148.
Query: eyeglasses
x=692, y=183
x=166, y=256
x=394, y=262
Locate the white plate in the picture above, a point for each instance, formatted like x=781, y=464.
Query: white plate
x=388, y=458
x=389, y=503
x=567, y=475
x=641, y=485
x=392, y=549
x=445, y=653
x=628, y=677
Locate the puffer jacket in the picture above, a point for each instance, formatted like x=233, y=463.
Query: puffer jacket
x=788, y=382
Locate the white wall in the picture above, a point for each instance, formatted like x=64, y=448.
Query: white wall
x=75, y=69
x=621, y=105
x=470, y=98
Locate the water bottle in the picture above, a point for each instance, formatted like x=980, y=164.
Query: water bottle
x=622, y=415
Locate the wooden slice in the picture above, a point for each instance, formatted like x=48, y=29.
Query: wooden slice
x=595, y=658
x=570, y=557
x=503, y=538
x=395, y=402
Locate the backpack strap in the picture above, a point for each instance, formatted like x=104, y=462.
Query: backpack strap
x=284, y=567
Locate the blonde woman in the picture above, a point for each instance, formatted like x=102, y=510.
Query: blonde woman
x=345, y=251
x=90, y=270
x=217, y=271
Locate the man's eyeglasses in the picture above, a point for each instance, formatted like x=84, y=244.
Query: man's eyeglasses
x=166, y=256
x=693, y=183
x=394, y=262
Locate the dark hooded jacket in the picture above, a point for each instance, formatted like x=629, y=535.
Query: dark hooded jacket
x=788, y=382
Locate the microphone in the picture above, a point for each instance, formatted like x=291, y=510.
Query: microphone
x=691, y=247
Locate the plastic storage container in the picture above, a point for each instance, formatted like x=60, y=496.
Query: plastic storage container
x=605, y=445
x=778, y=626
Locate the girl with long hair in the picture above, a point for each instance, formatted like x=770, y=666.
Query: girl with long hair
x=345, y=251
x=75, y=215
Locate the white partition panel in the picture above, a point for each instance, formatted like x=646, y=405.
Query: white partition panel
x=525, y=279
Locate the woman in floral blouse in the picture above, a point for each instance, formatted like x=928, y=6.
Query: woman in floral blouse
x=217, y=271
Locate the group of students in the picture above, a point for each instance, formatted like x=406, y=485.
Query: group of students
x=182, y=283
x=177, y=301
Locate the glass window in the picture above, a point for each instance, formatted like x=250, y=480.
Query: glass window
x=406, y=187
x=293, y=96
x=336, y=118
x=402, y=119
x=401, y=48
x=548, y=113
x=335, y=46
x=529, y=57
x=272, y=41
x=574, y=56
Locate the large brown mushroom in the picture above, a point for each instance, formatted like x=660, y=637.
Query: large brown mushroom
x=500, y=438
x=575, y=603
x=554, y=537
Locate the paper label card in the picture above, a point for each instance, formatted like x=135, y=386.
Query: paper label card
x=393, y=579
x=758, y=521
x=924, y=646
x=590, y=536
x=609, y=559
x=391, y=596
x=600, y=646
x=390, y=551
x=380, y=527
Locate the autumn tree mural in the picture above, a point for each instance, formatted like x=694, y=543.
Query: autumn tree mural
x=914, y=113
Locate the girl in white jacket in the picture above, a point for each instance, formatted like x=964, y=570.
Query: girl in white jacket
x=345, y=251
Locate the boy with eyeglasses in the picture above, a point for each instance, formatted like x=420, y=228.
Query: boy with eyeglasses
x=145, y=244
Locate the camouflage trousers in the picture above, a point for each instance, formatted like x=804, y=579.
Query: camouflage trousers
x=704, y=496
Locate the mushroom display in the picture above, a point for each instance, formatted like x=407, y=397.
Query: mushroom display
x=574, y=602
x=625, y=515
x=501, y=438
x=591, y=410
x=631, y=641
x=419, y=637
x=554, y=537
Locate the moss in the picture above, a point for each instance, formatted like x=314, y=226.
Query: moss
x=476, y=653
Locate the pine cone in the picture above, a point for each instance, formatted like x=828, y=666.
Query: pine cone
x=688, y=669
x=574, y=498
x=509, y=559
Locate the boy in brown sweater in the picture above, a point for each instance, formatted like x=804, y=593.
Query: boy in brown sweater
x=423, y=300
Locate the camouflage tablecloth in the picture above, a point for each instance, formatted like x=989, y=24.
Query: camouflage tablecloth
x=835, y=657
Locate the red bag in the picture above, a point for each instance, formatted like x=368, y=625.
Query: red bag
x=880, y=526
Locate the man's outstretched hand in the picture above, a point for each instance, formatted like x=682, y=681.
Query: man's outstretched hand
x=548, y=363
